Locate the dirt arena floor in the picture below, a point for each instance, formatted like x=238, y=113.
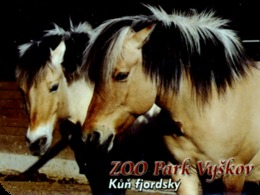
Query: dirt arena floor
x=41, y=184
x=46, y=186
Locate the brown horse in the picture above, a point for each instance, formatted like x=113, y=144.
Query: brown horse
x=195, y=67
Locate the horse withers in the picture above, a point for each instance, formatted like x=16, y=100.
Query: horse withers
x=193, y=66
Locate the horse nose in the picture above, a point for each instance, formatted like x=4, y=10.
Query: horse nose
x=94, y=137
x=38, y=147
x=91, y=137
x=93, y=142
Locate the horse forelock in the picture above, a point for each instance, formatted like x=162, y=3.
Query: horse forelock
x=28, y=79
x=109, y=36
x=34, y=56
x=114, y=51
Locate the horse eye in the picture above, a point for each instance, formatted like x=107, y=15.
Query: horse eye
x=121, y=76
x=54, y=87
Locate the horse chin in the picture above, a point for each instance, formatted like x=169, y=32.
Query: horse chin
x=39, y=152
x=39, y=147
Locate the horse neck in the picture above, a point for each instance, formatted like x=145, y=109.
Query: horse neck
x=79, y=96
x=235, y=102
x=176, y=103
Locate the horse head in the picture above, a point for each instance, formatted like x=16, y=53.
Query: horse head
x=48, y=74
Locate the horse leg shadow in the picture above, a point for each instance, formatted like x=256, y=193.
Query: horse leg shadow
x=32, y=174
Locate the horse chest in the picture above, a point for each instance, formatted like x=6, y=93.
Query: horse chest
x=222, y=129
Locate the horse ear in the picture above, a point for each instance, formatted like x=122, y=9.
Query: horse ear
x=142, y=36
x=57, y=54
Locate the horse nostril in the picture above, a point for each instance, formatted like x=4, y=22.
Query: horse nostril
x=27, y=140
x=94, y=143
x=43, y=141
x=95, y=137
x=108, y=144
x=38, y=146
x=92, y=140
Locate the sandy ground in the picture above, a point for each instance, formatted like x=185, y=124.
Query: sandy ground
x=55, y=187
x=37, y=188
x=45, y=188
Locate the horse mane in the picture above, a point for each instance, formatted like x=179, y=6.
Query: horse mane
x=34, y=56
x=106, y=36
x=199, y=45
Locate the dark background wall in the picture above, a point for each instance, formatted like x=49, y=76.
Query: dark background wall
x=23, y=20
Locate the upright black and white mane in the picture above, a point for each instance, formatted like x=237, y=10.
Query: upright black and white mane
x=199, y=45
x=33, y=56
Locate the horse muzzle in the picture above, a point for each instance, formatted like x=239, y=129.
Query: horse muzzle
x=98, y=142
x=38, y=147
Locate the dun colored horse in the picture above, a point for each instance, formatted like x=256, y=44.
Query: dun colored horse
x=195, y=67
x=48, y=74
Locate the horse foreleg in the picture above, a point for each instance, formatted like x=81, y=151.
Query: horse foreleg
x=233, y=185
